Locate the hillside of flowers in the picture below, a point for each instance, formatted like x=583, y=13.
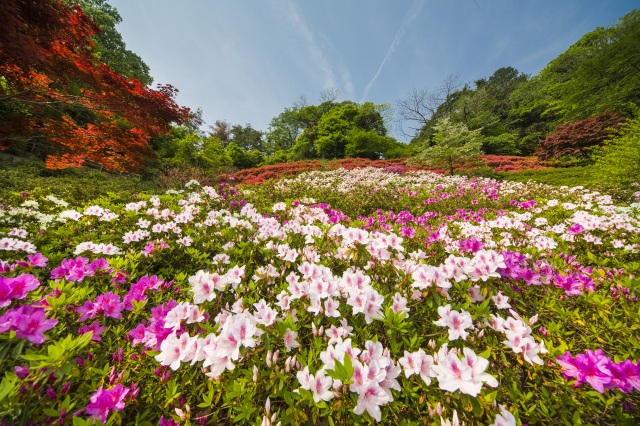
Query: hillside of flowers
x=334, y=297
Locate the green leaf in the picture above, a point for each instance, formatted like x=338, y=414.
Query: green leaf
x=8, y=387
x=486, y=354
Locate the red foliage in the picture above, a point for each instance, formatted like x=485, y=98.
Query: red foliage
x=57, y=90
x=511, y=163
x=576, y=137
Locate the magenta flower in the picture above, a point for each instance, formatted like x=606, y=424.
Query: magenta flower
x=594, y=369
x=87, y=310
x=104, y=400
x=96, y=328
x=37, y=260
x=470, y=245
x=30, y=323
x=408, y=232
x=531, y=278
x=148, y=249
x=576, y=228
x=569, y=364
x=99, y=264
x=109, y=305
x=16, y=288
x=120, y=277
x=73, y=269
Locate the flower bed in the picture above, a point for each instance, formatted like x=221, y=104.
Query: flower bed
x=300, y=302
x=259, y=175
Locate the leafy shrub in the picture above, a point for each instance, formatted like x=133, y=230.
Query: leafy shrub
x=579, y=137
x=618, y=163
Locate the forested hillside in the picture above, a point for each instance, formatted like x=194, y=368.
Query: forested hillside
x=72, y=94
x=515, y=112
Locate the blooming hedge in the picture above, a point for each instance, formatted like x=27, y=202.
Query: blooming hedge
x=335, y=297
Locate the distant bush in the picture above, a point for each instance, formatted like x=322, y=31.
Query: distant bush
x=579, y=137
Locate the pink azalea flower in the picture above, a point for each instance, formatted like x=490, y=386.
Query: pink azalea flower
x=30, y=323
x=370, y=399
x=505, y=418
x=457, y=322
x=16, y=288
x=37, y=260
x=96, y=328
x=104, y=400
x=290, y=341
x=320, y=386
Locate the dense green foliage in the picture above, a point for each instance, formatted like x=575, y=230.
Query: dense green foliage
x=332, y=130
x=618, y=163
x=110, y=47
x=453, y=143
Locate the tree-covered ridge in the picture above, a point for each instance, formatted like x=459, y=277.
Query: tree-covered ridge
x=600, y=72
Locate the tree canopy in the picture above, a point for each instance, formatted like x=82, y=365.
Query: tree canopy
x=58, y=98
x=453, y=144
x=598, y=73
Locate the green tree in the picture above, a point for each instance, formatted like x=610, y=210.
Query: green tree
x=453, y=144
x=369, y=144
x=242, y=158
x=618, y=162
x=503, y=144
x=109, y=45
x=194, y=150
x=247, y=137
x=326, y=131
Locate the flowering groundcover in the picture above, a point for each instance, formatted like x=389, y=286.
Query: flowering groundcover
x=336, y=297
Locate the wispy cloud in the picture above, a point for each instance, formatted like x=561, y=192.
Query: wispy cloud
x=406, y=23
x=294, y=15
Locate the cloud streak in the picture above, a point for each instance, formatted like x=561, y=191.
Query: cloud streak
x=294, y=15
x=411, y=16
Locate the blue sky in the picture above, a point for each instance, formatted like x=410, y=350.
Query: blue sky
x=244, y=61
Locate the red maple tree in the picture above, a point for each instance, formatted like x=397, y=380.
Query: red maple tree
x=55, y=92
x=575, y=138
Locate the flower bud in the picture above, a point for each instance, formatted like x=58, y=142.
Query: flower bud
x=439, y=409
x=51, y=393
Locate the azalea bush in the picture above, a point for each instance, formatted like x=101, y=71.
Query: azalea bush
x=334, y=297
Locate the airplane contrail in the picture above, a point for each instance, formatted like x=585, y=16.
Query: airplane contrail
x=408, y=20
